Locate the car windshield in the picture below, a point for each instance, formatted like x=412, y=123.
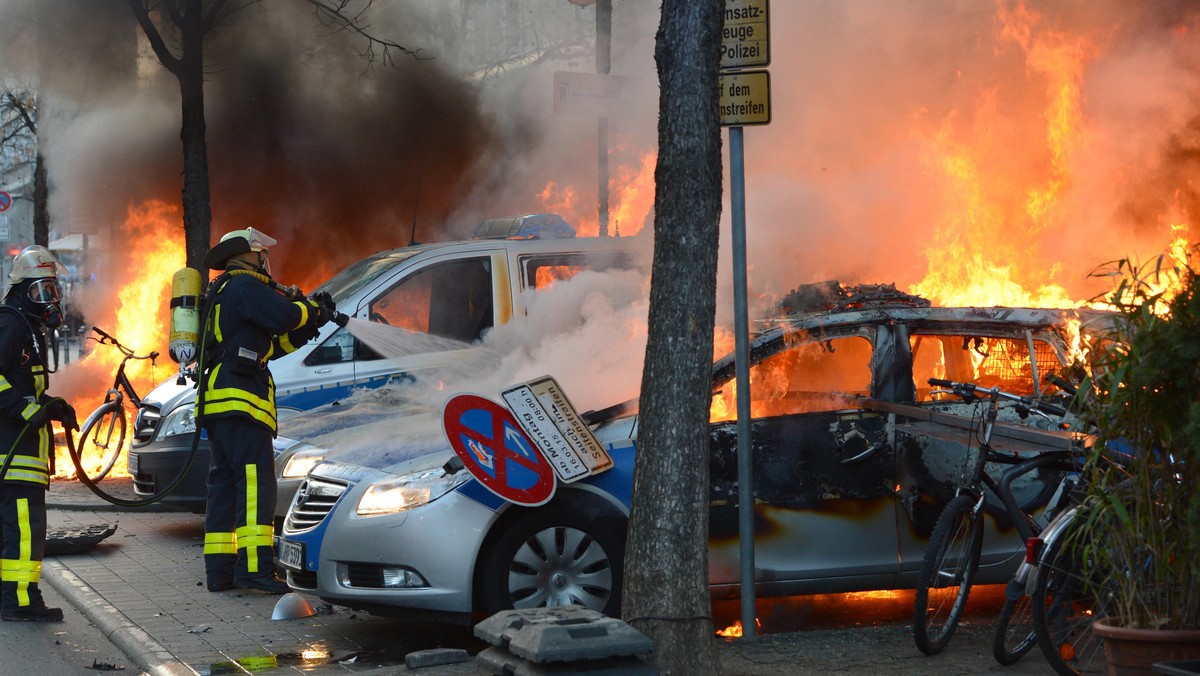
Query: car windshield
x=342, y=285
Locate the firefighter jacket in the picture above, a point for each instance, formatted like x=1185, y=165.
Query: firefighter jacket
x=249, y=323
x=22, y=383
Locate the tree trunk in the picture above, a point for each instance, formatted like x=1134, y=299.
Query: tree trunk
x=666, y=570
x=41, y=198
x=197, y=213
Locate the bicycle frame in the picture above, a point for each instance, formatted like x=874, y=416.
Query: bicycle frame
x=1002, y=489
x=122, y=383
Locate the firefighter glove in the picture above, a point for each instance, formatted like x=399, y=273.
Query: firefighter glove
x=326, y=308
x=317, y=316
x=60, y=410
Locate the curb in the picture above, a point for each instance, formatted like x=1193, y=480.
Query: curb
x=149, y=655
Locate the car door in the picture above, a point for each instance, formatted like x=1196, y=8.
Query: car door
x=825, y=511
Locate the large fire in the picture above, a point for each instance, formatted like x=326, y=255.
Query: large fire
x=130, y=304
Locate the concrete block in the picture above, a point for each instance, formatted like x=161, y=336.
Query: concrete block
x=562, y=634
x=435, y=657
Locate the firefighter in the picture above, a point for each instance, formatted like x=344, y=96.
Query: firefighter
x=251, y=320
x=30, y=307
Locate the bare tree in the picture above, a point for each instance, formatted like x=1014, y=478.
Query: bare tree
x=668, y=527
x=19, y=113
x=176, y=31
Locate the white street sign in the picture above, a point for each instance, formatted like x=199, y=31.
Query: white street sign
x=547, y=416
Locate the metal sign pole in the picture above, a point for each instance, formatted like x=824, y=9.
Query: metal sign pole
x=741, y=324
x=603, y=65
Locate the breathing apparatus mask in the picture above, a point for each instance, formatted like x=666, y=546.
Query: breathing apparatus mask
x=45, y=302
x=34, y=286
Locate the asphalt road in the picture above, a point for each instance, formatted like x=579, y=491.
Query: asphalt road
x=74, y=646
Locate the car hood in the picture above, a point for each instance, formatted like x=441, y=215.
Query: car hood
x=375, y=429
x=353, y=473
x=168, y=394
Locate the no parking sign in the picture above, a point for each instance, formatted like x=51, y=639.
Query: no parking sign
x=5, y=201
x=496, y=451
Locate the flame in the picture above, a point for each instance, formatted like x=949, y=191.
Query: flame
x=152, y=241
x=1160, y=282
x=631, y=196
x=735, y=630
x=549, y=274
x=976, y=259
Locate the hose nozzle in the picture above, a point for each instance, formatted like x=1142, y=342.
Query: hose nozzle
x=340, y=318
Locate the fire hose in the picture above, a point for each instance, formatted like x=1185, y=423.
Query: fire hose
x=83, y=477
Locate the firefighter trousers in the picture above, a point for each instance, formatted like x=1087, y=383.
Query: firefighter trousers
x=23, y=518
x=240, y=511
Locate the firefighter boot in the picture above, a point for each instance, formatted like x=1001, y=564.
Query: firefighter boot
x=40, y=613
x=268, y=584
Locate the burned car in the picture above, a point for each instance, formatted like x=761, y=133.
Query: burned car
x=853, y=459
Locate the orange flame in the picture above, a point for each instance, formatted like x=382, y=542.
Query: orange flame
x=735, y=631
x=152, y=239
x=976, y=259
x=631, y=198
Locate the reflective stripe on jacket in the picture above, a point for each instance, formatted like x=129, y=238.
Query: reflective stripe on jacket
x=23, y=380
x=250, y=324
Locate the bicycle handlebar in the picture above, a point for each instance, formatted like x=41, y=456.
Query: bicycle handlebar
x=106, y=338
x=971, y=391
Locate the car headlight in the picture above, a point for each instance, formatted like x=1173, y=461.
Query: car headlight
x=408, y=491
x=298, y=465
x=180, y=421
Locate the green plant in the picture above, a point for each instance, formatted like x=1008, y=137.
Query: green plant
x=1141, y=534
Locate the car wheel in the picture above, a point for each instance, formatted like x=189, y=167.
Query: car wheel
x=554, y=557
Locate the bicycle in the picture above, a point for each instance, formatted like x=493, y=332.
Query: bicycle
x=105, y=429
x=1062, y=599
x=952, y=556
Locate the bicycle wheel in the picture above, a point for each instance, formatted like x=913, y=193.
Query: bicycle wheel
x=945, y=582
x=1063, y=613
x=1015, y=635
x=101, y=440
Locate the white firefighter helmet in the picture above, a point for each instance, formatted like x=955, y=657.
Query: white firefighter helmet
x=234, y=243
x=34, y=262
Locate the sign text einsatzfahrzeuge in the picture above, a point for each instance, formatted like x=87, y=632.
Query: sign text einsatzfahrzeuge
x=745, y=40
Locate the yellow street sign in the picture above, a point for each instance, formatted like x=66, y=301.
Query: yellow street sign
x=745, y=39
x=745, y=98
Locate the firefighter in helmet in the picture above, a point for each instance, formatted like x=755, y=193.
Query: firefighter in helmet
x=250, y=320
x=26, y=448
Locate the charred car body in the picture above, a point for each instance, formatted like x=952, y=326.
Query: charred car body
x=853, y=460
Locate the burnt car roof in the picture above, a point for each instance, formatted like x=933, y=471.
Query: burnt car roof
x=997, y=320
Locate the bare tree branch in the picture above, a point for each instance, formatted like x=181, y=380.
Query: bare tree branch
x=141, y=11
x=332, y=13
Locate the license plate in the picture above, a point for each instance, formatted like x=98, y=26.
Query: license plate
x=291, y=554
x=133, y=463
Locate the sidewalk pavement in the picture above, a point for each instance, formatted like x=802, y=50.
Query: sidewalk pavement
x=143, y=586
